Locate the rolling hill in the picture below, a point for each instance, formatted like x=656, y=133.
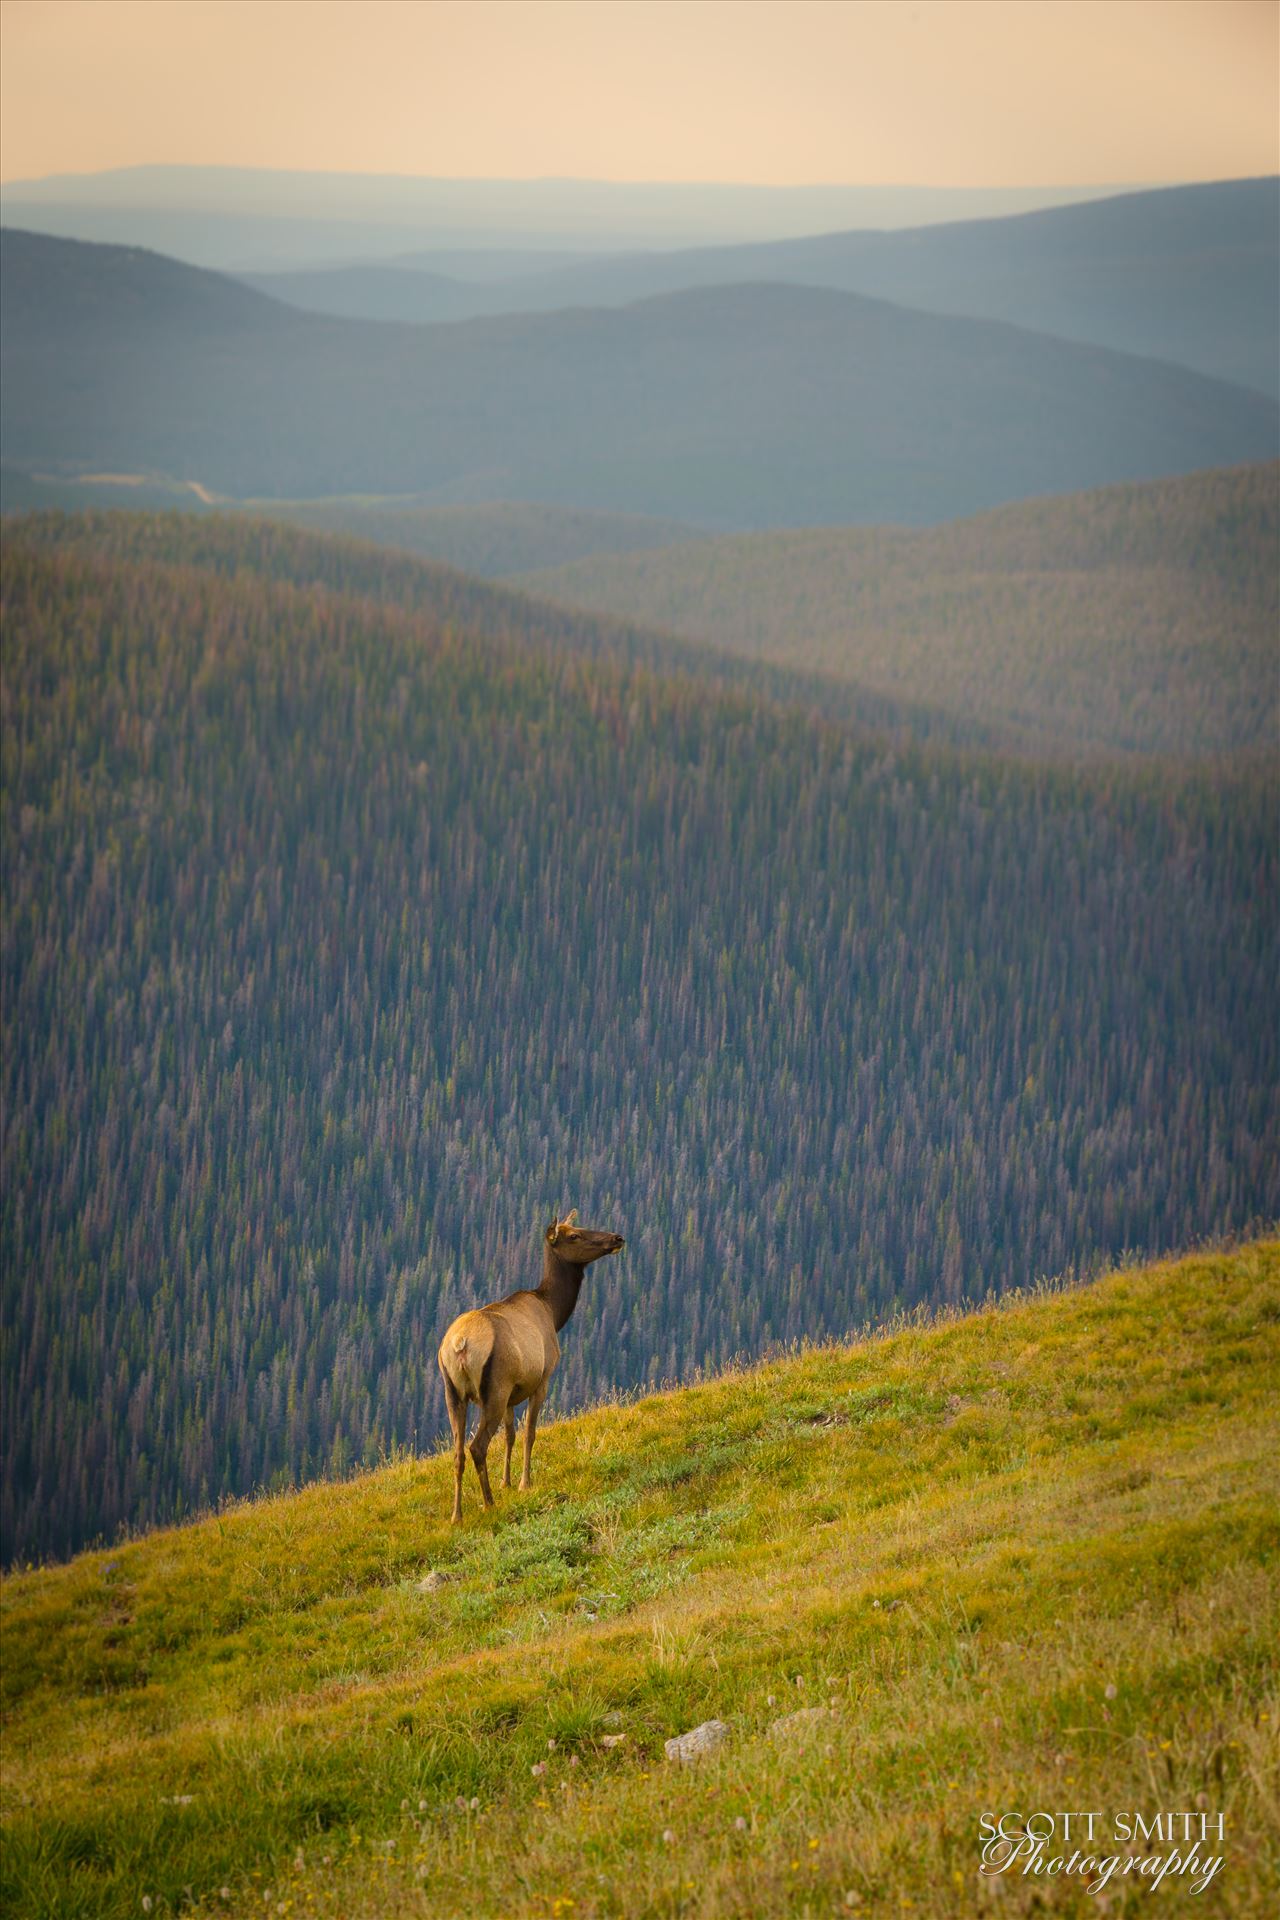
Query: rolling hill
x=1189, y=274
x=492, y=540
x=355, y=914
x=272, y=545
x=1134, y=619
x=740, y=406
x=1023, y=1559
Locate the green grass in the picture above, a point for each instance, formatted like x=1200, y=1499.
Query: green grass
x=1029, y=1559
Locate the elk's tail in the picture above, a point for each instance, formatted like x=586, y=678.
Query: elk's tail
x=464, y=1352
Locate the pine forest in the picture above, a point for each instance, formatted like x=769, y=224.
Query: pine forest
x=352, y=928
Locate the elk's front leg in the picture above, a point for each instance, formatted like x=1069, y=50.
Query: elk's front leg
x=509, y=1433
x=530, y=1428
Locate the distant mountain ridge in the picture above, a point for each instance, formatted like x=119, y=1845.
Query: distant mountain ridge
x=1188, y=274
x=263, y=218
x=724, y=407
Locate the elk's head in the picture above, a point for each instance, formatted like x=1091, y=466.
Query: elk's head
x=579, y=1246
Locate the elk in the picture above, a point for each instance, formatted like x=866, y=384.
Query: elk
x=504, y=1354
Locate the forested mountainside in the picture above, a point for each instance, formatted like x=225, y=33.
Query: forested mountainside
x=343, y=942
x=277, y=550
x=1138, y=618
x=733, y=407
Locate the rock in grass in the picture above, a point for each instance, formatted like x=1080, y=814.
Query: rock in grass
x=695, y=1745
x=432, y=1581
x=795, y=1726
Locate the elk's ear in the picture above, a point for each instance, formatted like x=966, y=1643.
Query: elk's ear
x=570, y=1219
x=553, y=1234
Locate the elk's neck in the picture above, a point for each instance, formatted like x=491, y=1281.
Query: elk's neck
x=560, y=1287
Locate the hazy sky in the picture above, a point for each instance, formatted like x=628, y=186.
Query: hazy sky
x=936, y=92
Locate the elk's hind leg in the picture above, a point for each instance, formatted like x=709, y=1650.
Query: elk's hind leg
x=457, y=1407
x=493, y=1414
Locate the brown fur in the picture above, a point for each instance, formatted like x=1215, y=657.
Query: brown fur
x=504, y=1354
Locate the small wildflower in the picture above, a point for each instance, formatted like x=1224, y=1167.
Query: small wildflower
x=799, y=1679
x=1110, y=1690
x=573, y=1759
x=551, y=1746
x=404, y=1806
x=422, y=1806
x=475, y=1803
x=812, y=1845
x=667, y=1836
x=740, y=1825
x=771, y=1699
x=538, y=1768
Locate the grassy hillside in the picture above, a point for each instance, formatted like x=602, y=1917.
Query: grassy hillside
x=1023, y=1560
x=1139, y=618
x=730, y=406
x=344, y=936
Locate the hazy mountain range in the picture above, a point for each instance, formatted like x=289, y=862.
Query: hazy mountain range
x=256, y=218
x=727, y=406
x=1190, y=274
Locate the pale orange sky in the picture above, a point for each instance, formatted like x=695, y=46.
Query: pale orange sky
x=978, y=93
